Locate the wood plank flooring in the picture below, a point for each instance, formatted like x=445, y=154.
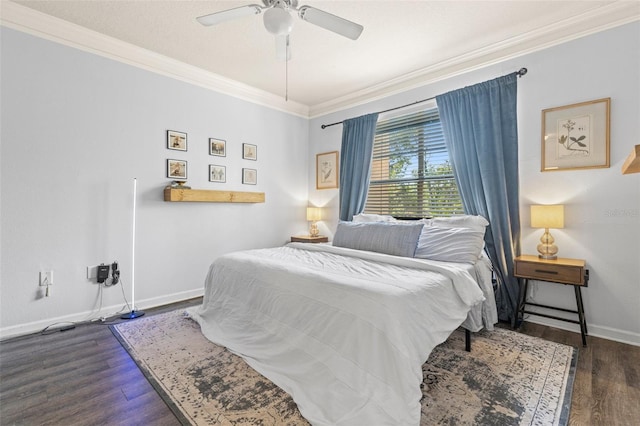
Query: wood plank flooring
x=84, y=377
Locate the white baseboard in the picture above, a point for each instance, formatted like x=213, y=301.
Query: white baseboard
x=36, y=326
x=594, y=330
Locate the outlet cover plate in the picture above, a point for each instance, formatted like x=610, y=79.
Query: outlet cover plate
x=92, y=272
x=46, y=278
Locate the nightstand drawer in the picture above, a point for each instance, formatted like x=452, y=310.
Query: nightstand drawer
x=550, y=272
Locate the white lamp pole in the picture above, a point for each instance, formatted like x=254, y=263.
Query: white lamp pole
x=133, y=313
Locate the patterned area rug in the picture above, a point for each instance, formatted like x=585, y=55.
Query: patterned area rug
x=507, y=379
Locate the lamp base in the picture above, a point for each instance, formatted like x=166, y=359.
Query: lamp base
x=546, y=248
x=313, y=230
x=547, y=256
x=131, y=315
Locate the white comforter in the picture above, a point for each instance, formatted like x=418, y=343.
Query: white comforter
x=344, y=332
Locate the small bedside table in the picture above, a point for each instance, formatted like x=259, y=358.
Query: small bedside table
x=560, y=271
x=309, y=239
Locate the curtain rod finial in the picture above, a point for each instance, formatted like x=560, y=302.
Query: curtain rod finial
x=522, y=71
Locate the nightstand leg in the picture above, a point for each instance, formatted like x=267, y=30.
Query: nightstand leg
x=522, y=297
x=581, y=318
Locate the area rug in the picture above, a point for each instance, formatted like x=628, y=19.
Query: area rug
x=508, y=378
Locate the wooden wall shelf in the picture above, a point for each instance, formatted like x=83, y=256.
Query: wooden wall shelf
x=632, y=163
x=211, y=196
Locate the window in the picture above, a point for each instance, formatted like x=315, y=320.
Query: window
x=411, y=174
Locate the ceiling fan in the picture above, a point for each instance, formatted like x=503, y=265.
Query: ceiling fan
x=278, y=21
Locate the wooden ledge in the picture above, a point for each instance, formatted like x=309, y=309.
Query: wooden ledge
x=211, y=196
x=632, y=163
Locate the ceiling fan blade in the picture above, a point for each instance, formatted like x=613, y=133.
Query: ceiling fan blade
x=227, y=15
x=283, y=48
x=331, y=22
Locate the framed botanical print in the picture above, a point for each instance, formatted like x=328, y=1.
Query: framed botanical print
x=327, y=170
x=576, y=136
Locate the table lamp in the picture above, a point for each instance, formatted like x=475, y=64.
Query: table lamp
x=547, y=217
x=314, y=214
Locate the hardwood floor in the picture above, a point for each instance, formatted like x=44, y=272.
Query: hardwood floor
x=84, y=377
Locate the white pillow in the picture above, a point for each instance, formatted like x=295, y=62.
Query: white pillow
x=462, y=245
x=459, y=221
x=398, y=239
x=368, y=217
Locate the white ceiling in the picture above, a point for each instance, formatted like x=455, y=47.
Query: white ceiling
x=404, y=43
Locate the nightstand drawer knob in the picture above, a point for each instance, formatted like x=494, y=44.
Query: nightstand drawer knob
x=542, y=271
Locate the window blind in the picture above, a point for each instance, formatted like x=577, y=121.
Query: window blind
x=411, y=174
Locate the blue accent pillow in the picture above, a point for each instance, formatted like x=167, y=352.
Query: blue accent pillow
x=398, y=239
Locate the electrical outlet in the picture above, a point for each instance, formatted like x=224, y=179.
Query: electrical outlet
x=92, y=272
x=46, y=278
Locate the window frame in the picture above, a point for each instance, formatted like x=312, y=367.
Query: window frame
x=420, y=130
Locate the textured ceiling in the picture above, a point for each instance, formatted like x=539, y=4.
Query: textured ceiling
x=401, y=39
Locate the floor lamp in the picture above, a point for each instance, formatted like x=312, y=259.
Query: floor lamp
x=133, y=314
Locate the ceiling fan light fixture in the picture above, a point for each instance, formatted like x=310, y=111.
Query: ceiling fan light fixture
x=278, y=21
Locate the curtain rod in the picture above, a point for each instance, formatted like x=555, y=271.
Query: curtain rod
x=520, y=72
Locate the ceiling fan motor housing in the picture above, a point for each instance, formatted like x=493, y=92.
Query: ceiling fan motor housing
x=286, y=3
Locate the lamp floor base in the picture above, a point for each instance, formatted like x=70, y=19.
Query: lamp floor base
x=132, y=315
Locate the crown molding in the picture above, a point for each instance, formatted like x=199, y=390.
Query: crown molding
x=32, y=22
x=48, y=27
x=594, y=21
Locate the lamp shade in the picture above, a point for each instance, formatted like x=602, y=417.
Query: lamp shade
x=314, y=213
x=547, y=216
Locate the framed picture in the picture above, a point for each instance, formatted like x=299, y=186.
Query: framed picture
x=249, y=176
x=176, y=140
x=249, y=152
x=177, y=169
x=576, y=136
x=217, y=147
x=327, y=170
x=217, y=173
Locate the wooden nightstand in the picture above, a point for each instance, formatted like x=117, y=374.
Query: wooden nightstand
x=309, y=239
x=561, y=271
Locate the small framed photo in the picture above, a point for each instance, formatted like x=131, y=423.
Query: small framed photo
x=177, y=169
x=249, y=152
x=327, y=170
x=217, y=173
x=176, y=140
x=249, y=176
x=217, y=147
x=576, y=136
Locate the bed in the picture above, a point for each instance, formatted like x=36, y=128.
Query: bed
x=344, y=330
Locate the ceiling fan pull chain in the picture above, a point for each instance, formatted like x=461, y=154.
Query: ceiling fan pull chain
x=286, y=71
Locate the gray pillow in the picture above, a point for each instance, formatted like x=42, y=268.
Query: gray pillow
x=398, y=239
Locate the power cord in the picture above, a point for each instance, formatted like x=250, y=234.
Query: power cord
x=115, y=275
x=100, y=319
x=47, y=330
